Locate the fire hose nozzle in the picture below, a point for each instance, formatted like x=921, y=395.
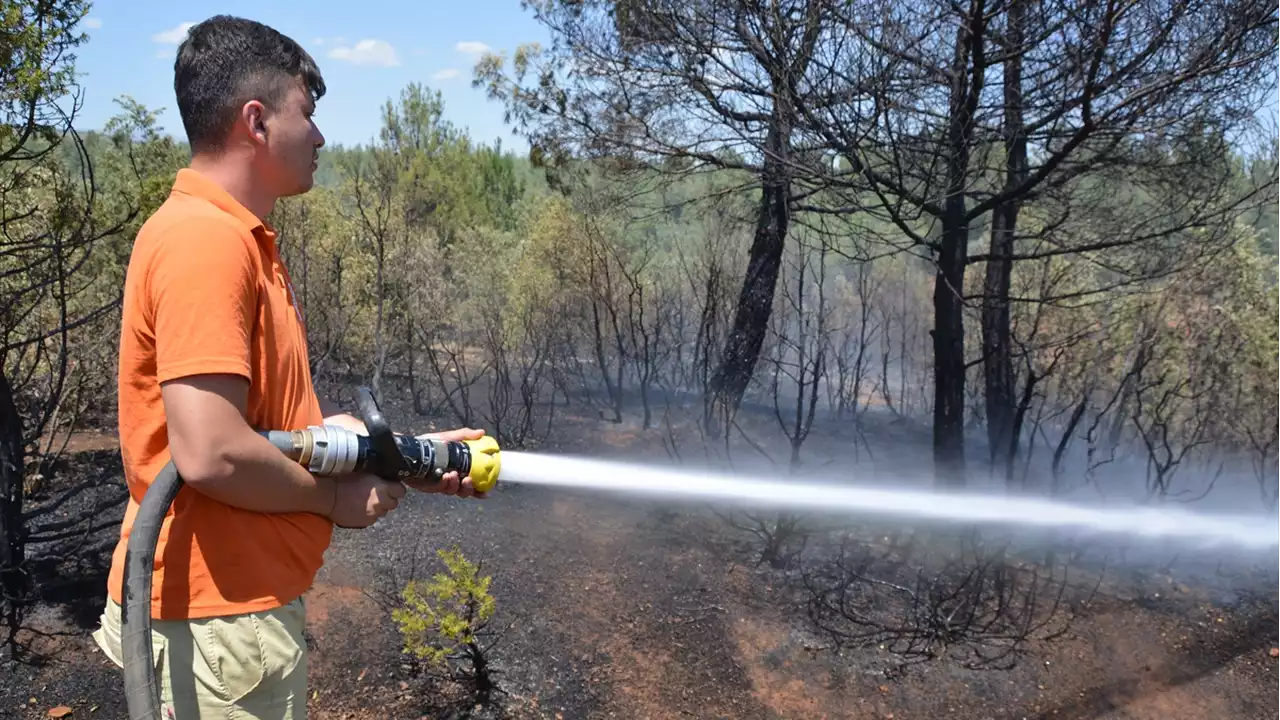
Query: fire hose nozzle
x=486, y=462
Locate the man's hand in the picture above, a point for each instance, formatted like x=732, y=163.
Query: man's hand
x=362, y=499
x=451, y=484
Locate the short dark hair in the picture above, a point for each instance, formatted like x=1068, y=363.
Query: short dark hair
x=227, y=61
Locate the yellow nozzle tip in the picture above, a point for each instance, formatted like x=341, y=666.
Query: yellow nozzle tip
x=486, y=462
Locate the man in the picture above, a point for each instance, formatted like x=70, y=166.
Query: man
x=213, y=347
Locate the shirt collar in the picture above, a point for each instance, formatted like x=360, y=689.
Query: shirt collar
x=192, y=182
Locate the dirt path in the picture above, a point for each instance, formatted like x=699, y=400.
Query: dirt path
x=651, y=625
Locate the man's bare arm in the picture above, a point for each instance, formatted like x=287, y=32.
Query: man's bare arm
x=218, y=454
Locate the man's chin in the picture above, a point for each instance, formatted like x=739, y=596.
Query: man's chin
x=302, y=187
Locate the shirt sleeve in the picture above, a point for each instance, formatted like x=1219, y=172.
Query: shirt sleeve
x=204, y=299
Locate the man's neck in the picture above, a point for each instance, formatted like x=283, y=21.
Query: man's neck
x=238, y=180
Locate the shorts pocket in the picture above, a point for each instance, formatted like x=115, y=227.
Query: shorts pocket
x=232, y=653
x=246, y=652
x=283, y=642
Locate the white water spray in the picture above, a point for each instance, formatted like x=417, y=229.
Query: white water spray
x=1249, y=532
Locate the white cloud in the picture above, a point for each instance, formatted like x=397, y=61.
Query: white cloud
x=367, y=52
x=93, y=23
x=173, y=36
x=472, y=47
x=446, y=74
x=329, y=42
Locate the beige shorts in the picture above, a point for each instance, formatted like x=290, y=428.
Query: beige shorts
x=247, y=667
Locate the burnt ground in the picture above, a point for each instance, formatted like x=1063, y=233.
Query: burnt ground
x=632, y=608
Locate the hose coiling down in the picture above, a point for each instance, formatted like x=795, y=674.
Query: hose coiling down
x=142, y=692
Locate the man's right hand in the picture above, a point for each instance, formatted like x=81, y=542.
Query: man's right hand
x=360, y=500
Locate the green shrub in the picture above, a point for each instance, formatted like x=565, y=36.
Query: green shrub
x=443, y=623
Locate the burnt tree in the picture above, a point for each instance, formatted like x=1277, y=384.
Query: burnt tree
x=712, y=84
x=997, y=354
x=33, y=73
x=65, y=217
x=982, y=110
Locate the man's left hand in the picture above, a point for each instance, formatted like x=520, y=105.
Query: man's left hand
x=450, y=484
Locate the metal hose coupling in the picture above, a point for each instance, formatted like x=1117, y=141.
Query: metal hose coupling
x=322, y=449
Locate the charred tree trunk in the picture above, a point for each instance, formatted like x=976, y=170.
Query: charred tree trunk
x=948, y=352
x=415, y=391
x=997, y=337
x=12, y=545
x=755, y=302
x=484, y=685
x=379, y=346
x=953, y=255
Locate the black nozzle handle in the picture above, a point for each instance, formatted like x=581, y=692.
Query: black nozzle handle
x=386, y=461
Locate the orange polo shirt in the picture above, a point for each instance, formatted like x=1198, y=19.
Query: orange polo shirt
x=206, y=292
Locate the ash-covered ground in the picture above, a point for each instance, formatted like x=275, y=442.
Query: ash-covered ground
x=620, y=607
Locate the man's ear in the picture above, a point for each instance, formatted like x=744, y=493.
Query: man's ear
x=253, y=115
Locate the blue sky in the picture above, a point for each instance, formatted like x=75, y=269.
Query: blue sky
x=368, y=51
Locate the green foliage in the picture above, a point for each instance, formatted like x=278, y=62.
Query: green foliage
x=71, y=215
x=442, y=617
x=70, y=203
x=37, y=71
